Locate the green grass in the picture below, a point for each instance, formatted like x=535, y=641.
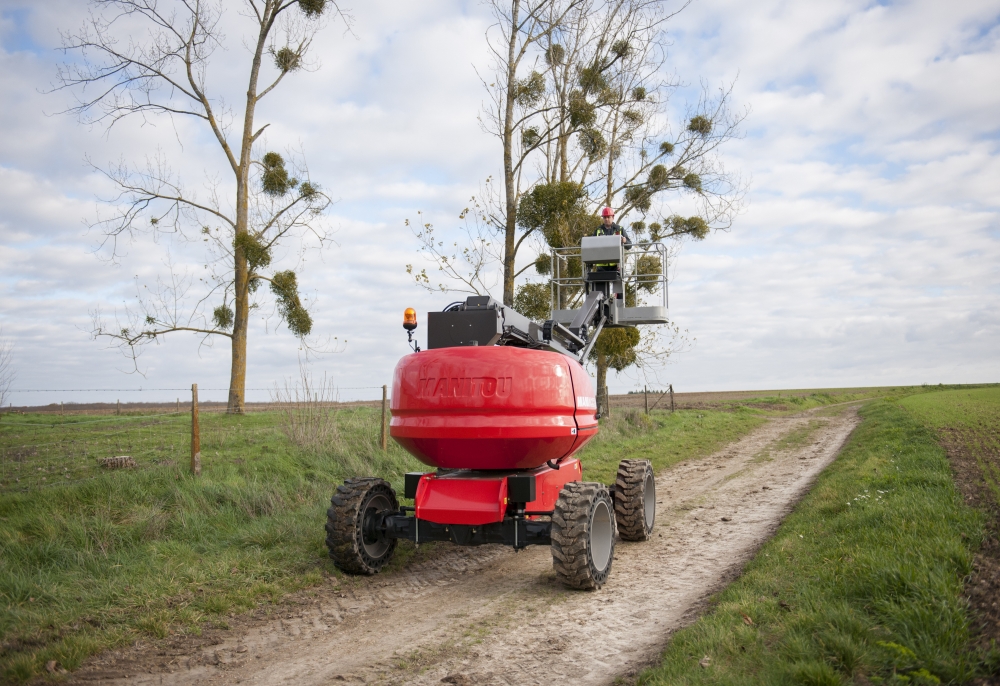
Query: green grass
x=109, y=557
x=114, y=556
x=796, y=401
x=664, y=438
x=972, y=416
x=101, y=558
x=861, y=584
x=98, y=559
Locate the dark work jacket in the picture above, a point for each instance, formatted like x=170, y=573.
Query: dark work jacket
x=611, y=230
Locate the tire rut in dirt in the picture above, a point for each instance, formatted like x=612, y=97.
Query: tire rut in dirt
x=583, y=535
x=635, y=499
x=349, y=548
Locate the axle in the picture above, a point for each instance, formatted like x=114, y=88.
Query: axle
x=517, y=531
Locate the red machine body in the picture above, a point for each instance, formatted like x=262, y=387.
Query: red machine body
x=491, y=407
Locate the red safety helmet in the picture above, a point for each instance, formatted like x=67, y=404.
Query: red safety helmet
x=607, y=212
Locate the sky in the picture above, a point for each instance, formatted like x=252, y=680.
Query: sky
x=868, y=252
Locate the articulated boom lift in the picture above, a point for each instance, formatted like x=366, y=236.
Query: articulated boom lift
x=499, y=404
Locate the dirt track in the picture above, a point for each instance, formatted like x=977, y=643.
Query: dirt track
x=492, y=616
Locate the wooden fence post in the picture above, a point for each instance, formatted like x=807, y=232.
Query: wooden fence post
x=671, y=397
x=178, y=406
x=385, y=408
x=118, y=409
x=195, y=433
x=645, y=397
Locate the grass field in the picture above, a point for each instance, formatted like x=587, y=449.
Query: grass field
x=105, y=558
x=864, y=582
x=92, y=559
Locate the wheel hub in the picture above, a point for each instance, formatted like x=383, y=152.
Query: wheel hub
x=374, y=543
x=602, y=533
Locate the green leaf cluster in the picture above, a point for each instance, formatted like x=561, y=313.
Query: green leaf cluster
x=593, y=143
x=533, y=301
x=529, y=92
x=285, y=287
x=555, y=54
x=530, y=137
x=695, y=227
x=256, y=253
x=557, y=209
x=618, y=346
x=701, y=125
x=223, y=317
x=646, y=267
x=308, y=189
x=640, y=195
x=621, y=49
x=312, y=8
x=543, y=264
x=582, y=112
x=287, y=60
x=692, y=181
x=275, y=180
x=592, y=80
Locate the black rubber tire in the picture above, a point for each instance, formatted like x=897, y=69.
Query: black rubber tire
x=349, y=549
x=635, y=500
x=583, y=535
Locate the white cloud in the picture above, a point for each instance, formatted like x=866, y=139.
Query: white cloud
x=868, y=254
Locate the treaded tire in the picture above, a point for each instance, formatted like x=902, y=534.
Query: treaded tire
x=349, y=549
x=583, y=535
x=635, y=500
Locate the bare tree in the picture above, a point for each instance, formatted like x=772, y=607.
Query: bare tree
x=616, y=147
x=580, y=102
x=465, y=265
x=150, y=59
x=7, y=374
x=517, y=103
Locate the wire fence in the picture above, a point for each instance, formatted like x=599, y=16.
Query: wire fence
x=342, y=396
x=45, y=446
x=42, y=446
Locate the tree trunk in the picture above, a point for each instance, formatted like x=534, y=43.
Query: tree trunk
x=509, y=254
x=241, y=321
x=241, y=280
x=602, y=360
x=509, y=180
x=602, y=384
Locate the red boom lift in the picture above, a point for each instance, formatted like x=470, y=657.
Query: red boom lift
x=499, y=405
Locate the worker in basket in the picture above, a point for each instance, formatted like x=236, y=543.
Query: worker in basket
x=609, y=228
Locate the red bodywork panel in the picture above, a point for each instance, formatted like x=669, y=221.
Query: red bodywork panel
x=491, y=407
x=477, y=498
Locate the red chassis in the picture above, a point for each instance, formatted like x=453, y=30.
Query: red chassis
x=477, y=498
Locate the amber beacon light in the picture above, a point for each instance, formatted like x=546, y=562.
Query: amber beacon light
x=410, y=324
x=409, y=319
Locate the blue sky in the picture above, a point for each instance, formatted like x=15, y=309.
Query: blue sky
x=868, y=254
